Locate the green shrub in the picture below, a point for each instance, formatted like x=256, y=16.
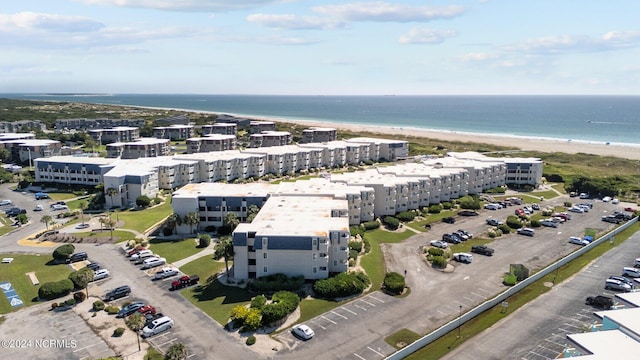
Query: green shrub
x=447, y=205
x=439, y=261
x=79, y=296
x=504, y=228
x=143, y=201
x=356, y=230
x=390, y=222
x=204, y=241
x=276, y=282
x=56, y=289
x=282, y=304
x=353, y=254
x=371, y=225
x=54, y=305
x=514, y=222
x=435, y=251
x=435, y=209
x=367, y=245
x=63, y=252
x=355, y=245
x=251, y=340
x=70, y=302
x=509, y=279
x=519, y=270
x=258, y=302
x=394, y=283
x=98, y=305
x=535, y=223
x=406, y=216
x=568, y=204
x=253, y=320
x=112, y=309
x=81, y=278
x=341, y=285
x=118, y=332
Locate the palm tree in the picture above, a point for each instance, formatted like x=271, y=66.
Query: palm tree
x=109, y=222
x=136, y=322
x=224, y=250
x=82, y=206
x=46, y=219
x=176, y=351
x=179, y=221
x=172, y=222
x=111, y=192
x=191, y=218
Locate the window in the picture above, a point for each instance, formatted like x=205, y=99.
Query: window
x=315, y=242
x=315, y=269
x=264, y=269
x=323, y=268
x=314, y=256
x=264, y=255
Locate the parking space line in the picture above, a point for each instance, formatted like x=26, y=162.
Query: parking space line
x=366, y=302
x=555, y=343
x=381, y=354
x=359, y=307
x=86, y=347
x=359, y=356
x=441, y=312
x=344, y=308
x=190, y=355
x=342, y=316
x=329, y=320
x=478, y=295
x=322, y=327
x=375, y=298
x=166, y=342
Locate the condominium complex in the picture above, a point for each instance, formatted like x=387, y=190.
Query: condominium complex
x=173, y=132
x=318, y=134
x=211, y=142
x=257, y=127
x=21, y=125
x=119, y=134
x=140, y=148
x=23, y=147
x=72, y=170
x=220, y=128
x=270, y=138
x=86, y=124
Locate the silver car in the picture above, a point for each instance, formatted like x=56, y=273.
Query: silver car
x=439, y=244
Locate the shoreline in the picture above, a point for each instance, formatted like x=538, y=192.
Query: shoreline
x=540, y=144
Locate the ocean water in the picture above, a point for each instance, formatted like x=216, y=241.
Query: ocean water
x=595, y=119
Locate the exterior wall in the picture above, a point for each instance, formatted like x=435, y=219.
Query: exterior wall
x=69, y=173
x=318, y=135
x=114, y=135
x=524, y=173
x=221, y=129
x=84, y=124
x=26, y=152
x=266, y=139
x=129, y=188
x=173, y=132
x=209, y=144
x=257, y=127
x=142, y=149
x=21, y=125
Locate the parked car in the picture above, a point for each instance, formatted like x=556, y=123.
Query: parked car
x=576, y=209
x=494, y=222
x=147, y=309
x=462, y=235
x=59, y=207
x=100, y=274
x=621, y=215
x=463, y=257
x=439, y=244
x=600, y=301
x=613, y=284
x=549, y=223
x=622, y=279
x=606, y=199
x=142, y=254
x=493, y=206
x=303, y=331
x=129, y=309
x=5, y=202
x=41, y=195
x=81, y=256
x=578, y=240
x=153, y=262
x=451, y=239
x=615, y=201
x=38, y=208
x=465, y=232
x=184, y=281
x=82, y=226
x=535, y=206
x=611, y=219
x=15, y=211
x=165, y=272
x=584, y=196
x=482, y=250
x=157, y=326
x=117, y=293
x=468, y=213
x=449, y=220
x=630, y=209
x=526, y=231
x=631, y=272
x=519, y=212
x=93, y=266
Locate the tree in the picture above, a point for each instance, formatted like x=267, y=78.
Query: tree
x=191, y=218
x=143, y=201
x=63, y=252
x=252, y=211
x=46, y=219
x=22, y=218
x=224, y=250
x=111, y=192
x=231, y=221
x=81, y=278
x=176, y=351
x=109, y=223
x=136, y=322
x=82, y=206
x=5, y=154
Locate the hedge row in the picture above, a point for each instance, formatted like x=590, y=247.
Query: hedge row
x=56, y=289
x=282, y=304
x=341, y=285
x=276, y=282
x=394, y=283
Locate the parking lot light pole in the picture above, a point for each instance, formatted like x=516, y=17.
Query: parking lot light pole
x=459, y=320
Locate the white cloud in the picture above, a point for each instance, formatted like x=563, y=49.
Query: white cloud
x=293, y=22
x=426, y=36
x=387, y=12
x=41, y=22
x=186, y=5
x=613, y=40
x=284, y=40
x=477, y=57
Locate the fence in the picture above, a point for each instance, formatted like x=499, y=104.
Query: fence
x=453, y=324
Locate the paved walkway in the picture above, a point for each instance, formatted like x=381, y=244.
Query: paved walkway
x=209, y=250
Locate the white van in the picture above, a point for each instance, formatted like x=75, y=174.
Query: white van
x=157, y=326
x=463, y=257
x=153, y=262
x=631, y=272
x=143, y=254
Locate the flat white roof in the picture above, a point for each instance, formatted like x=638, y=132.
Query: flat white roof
x=218, y=155
x=279, y=150
x=213, y=137
x=627, y=318
x=221, y=189
x=632, y=298
x=375, y=140
x=79, y=160
x=607, y=345
x=174, y=126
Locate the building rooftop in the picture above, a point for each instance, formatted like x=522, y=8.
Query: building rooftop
x=607, y=345
x=79, y=160
x=262, y=189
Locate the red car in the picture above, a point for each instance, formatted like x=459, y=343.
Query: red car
x=630, y=209
x=147, y=309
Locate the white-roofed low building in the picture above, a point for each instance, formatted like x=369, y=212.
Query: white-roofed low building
x=384, y=149
x=318, y=135
x=211, y=142
x=173, y=132
x=72, y=170
x=140, y=148
x=270, y=138
x=220, y=128
x=118, y=134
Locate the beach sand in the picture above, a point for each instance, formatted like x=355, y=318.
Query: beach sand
x=626, y=151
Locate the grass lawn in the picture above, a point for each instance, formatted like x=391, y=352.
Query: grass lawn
x=58, y=196
x=5, y=224
x=15, y=273
x=442, y=346
x=73, y=204
x=401, y=338
x=430, y=219
x=310, y=308
x=559, y=187
x=175, y=250
x=373, y=262
x=204, y=267
x=118, y=235
x=217, y=300
x=549, y=194
x=141, y=220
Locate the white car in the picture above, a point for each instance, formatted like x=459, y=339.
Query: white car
x=59, y=207
x=578, y=241
x=493, y=206
x=100, y=274
x=153, y=262
x=606, y=199
x=157, y=326
x=549, y=223
x=439, y=244
x=576, y=209
x=165, y=272
x=82, y=226
x=303, y=331
x=38, y=208
x=5, y=202
x=615, y=201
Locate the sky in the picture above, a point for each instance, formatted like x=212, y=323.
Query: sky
x=332, y=47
